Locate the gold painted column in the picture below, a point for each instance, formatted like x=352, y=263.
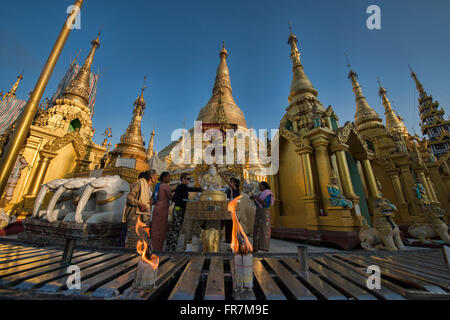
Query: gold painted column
x=305, y=153
x=320, y=144
x=432, y=190
x=397, y=187
x=370, y=178
x=439, y=183
x=409, y=184
x=344, y=172
x=45, y=158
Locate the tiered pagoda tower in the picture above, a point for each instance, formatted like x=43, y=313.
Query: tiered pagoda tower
x=433, y=125
x=130, y=152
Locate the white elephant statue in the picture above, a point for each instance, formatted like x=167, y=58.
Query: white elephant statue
x=110, y=196
x=49, y=186
x=6, y=219
x=72, y=189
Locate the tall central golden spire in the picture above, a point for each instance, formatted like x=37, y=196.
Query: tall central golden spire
x=365, y=116
x=222, y=91
x=300, y=82
x=393, y=123
x=78, y=89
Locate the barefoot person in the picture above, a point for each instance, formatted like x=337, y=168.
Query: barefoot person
x=162, y=195
x=180, y=197
x=138, y=203
x=261, y=227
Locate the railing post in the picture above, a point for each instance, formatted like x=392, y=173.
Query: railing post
x=302, y=257
x=69, y=247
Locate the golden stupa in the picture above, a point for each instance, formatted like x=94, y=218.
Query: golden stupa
x=131, y=146
x=60, y=141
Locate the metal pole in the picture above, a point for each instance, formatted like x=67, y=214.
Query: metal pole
x=302, y=256
x=21, y=132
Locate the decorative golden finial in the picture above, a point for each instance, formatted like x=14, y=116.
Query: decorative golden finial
x=292, y=36
x=418, y=84
x=348, y=60
x=12, y=92
x=141, y=97
x=382, y=90
x=223, y=52
x=351, y=74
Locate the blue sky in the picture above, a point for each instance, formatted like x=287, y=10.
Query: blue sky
x=176, y=45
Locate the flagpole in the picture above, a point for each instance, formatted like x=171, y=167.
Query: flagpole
x=17, y=140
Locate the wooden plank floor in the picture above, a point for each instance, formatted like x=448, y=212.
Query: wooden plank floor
x=339, y=276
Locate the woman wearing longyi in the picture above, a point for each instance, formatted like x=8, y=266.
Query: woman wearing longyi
x=261, y=228
x=163, y=196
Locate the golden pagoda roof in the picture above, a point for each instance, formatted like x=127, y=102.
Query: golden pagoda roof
x=365, y=116
x=133, y=134
x=300, y=81
x=222, y=98
x=393, y=122
x=78, y=89
x=131, y=142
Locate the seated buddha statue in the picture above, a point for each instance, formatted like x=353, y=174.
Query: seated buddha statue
x=336, y=198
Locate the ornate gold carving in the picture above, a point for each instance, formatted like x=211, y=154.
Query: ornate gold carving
x=385, y=163
x=72, y=137
x=294, y=138
x=343, y=134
